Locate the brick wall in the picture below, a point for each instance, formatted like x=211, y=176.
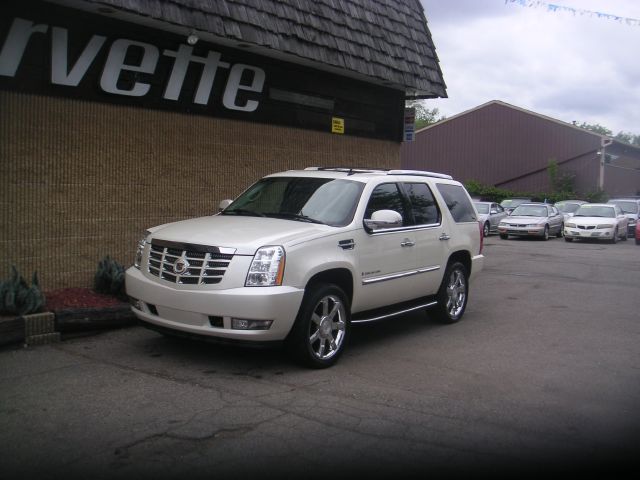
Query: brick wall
x=82, y=180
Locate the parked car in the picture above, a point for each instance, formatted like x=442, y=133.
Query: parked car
x=510, y=203
x=359, y=246
x=568, y=207
x=597, y=221
x=532, y=220
x=631, y=208
x=489, y=216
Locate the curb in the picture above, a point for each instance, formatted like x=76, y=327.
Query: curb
x=47, y=327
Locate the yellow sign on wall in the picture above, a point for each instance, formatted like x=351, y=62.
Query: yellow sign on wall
x=337, y=125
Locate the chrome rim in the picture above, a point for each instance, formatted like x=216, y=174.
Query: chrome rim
x=486, y=230
x=327, y=328
x=456, y=293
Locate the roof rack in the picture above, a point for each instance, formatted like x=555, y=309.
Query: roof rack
x=352, y=171
x=420, y=173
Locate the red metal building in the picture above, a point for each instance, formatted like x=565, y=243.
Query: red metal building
x=510, y=147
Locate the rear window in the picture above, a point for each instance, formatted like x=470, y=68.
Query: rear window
x=458, y=202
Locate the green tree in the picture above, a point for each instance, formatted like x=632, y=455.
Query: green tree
x=629, y=138
x=596, y=128
x=424, y=115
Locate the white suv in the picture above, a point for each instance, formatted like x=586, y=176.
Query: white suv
x=301, y=255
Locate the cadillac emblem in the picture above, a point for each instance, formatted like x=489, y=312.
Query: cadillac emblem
x=181, y=266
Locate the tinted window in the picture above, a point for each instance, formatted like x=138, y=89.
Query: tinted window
x=458, y=202
x=423, y=206
x=386, y=197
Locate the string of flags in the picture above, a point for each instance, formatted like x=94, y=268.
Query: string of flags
x=633, y=22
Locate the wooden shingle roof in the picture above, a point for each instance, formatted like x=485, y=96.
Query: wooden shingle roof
x=381, y=41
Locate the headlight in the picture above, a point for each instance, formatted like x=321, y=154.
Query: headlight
x=570, y=225
x=605, y=225
x=140, y=251
x=267, y=268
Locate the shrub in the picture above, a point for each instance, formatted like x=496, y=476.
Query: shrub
x=109, y=278
x=17, y=297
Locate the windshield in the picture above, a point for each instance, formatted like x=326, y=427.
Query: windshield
x=530, y=211
x=318, y=200
x=482, y=207
x=596, y=211
x=567, y=207
x=626, y=206
x=512, y=202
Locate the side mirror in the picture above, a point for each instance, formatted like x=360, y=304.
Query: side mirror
x=384, y=219
x=224, y=204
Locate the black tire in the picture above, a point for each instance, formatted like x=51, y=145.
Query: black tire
x=486, y=229
x=322, y=326
x=545, y=235
x=504, y=236
x=453, y=294
x=615, y=236
x=626, y=236
x=561, y=231
x=567, y=239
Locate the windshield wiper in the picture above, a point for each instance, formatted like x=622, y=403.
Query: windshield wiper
x=242, y=211
x=294, y=216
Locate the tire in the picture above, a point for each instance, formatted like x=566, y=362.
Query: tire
x=615, y=236
x=322, y=326
x=504, y=236
x=486, y=229
x=561, y=231
x=453, y=294
x=545, y=235
x=567, y=239
x=626, y=236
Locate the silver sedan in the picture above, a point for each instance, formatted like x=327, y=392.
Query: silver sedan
x=532, y=220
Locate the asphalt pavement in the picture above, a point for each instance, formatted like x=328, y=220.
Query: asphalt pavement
x=540, y=378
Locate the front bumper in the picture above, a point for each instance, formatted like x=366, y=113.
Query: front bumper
x=537, y=231
x=594, y=233
x=210, y=312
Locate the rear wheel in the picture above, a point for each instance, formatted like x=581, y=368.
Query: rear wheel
x=322, y=326
x=453, y=294
x=486, y=229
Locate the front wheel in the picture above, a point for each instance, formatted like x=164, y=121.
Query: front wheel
x=545, y=235
x=567, y=239
x=453, y=294
x=321, y=329
x=486, y=229
x=561, y=231
x=614, y=239
x=504, y=236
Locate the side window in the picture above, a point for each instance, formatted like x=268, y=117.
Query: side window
x=423, y=205
x=457, y=202
x=386, y=197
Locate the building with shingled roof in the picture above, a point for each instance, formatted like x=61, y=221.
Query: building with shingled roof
x=118, y=115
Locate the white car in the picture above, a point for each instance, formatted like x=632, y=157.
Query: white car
x=597, y=221
x=301, y=255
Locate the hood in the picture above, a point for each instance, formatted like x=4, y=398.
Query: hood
x=592, y=220
x=518, y=220
x=244, y=234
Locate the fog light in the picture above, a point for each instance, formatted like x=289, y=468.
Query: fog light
x=135, y=303
x=244, y=324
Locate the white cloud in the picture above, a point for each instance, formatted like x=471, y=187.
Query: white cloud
x=566, y=66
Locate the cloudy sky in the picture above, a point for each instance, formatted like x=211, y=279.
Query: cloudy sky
x=560, y=64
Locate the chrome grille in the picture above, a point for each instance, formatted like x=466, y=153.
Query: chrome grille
x=187, y=263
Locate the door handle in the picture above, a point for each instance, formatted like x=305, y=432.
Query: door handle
x=407, y=243
x=444, y=236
